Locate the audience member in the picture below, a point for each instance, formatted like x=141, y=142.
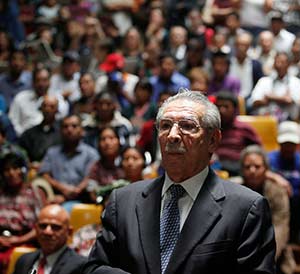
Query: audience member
x=245, y=68
x=53, y=230
x=6, y=47
x=220, y=78
x=283, y=39
x=17, y=78
x=85, y=105
x=254, y=168
x=39, y=138
x=107, y=114
x=286, y=161
x=169, y=78
x=236, y=135
x=142, y=109
x=265, y=51
x=19, y=205
x=142, y=208
x=277, y=94
x=294, y=68
x=66, y=166
x=24, y=111
x=105, y=170
x=65, y=82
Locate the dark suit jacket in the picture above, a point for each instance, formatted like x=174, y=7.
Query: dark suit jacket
x=228, y=230
x=69, y=262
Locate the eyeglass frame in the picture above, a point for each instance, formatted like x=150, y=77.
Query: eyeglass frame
x=197, y=125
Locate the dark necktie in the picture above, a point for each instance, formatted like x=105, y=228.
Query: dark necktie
x=170, y=225
x=41, y=266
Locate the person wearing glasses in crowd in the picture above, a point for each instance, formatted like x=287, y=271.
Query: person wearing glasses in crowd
x=54, y=256
x=188, y=220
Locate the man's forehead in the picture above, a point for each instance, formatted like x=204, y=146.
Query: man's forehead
x=183, y=108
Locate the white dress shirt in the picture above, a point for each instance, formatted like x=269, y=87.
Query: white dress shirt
x=192, y=187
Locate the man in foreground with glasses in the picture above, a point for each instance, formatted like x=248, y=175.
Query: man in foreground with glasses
x=189, y=221
x=52, y=229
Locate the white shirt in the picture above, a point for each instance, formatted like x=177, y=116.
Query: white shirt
x=192, y=187
x=283, y=41
x=51, y=260
x=244, y=73
x=58, y=85
x=24, y=111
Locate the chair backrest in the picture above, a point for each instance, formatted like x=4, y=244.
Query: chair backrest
x=83, y=214
x=16, y=253
x=266, y=128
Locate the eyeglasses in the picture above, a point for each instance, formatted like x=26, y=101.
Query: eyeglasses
x=186, y=126
x=54, y=227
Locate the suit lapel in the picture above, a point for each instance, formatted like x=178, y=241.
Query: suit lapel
x=148, y=214
x=32, y=257
x=60, y=262
x=203, y=215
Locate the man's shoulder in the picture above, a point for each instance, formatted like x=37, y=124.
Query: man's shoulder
x=239, y=193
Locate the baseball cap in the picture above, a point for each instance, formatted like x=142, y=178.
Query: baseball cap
x=288, y=132
x=113, y=61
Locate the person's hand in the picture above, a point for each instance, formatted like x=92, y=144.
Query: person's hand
x=66, y=94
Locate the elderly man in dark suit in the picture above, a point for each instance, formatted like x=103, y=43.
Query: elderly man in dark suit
x=54, y=257
x=188, y=221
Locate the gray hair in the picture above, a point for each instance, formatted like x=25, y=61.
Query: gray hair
x=211, y=118
x=254, y=149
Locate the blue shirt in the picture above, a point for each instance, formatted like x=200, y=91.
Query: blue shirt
x=9, y=88
x=159, y=85
x=69, y=169
x=289, y=170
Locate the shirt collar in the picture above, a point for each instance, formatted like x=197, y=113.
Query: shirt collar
x=192, y=185
x=51, y=259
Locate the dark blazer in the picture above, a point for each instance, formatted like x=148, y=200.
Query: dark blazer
x=228, y=230
x=69, y=262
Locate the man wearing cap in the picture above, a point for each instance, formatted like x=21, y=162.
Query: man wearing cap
x=286, y=161
x=283, y=39
x=66, y=81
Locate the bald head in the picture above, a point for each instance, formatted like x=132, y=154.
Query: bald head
x=53, y=228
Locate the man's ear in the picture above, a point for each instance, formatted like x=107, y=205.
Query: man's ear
x=214, y=140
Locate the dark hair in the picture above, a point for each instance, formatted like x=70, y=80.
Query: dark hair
x=144, y=84
x=138, y=149
x=13, y=160
x=228, y=96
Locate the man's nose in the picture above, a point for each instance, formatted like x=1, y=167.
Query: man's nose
x=174, y=134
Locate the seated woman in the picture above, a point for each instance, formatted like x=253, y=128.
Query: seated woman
x=19, y=206
x=133, y=165
x=106, y=170
x=254, y=170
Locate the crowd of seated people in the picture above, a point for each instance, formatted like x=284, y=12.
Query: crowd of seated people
x=82, y=80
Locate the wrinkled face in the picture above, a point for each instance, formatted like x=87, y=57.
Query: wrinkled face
x=254, y=170
x=71, y=129
x=87, y=85
x=52, y=230
x=13, y=176
x=227, y=111
x=132, y=162
x=184, y=155
x=266, y=42
x=109, y=143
